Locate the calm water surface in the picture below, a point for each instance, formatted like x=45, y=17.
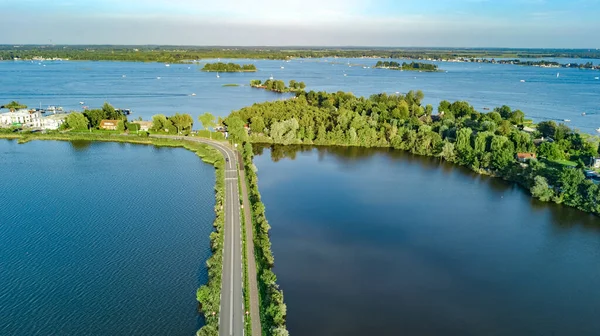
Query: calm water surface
x=102, y=238
x=375, y=242
x=542, y=96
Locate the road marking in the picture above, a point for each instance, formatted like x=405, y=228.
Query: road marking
x=231, y=178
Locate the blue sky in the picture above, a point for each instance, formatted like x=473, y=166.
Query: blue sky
x=453, y=23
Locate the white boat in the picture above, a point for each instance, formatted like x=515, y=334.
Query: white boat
x=193, y=94
x=81, y=103
x=522, y=81
x=345, y=75
x=218, y=75
x=566, y=120
x=271, y=78
x=167, y=65
x=598, y=130
x=596, y=78
x=282, y=67
x=123, y=76
x=557, y=74
x=157, y=77
x=583, y=114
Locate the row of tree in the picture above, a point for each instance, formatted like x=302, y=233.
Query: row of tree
x=278, y=85
x=406, y=66
x=273, y=310
x=485, y=142
x=229, y=67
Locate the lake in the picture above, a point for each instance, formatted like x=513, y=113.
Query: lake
x=543, y=95
x=102, y=238
x=381, y=242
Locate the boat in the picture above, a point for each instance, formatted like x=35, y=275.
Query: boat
x=557, y=74
x=123, y=76
x=193, y=94
x=598, y=130
x=522, y=81
x=157, y=77
x=271, y=78
x=583, y=113
x=596, y=78
x=282, y=67
x=566, y=120
x=345, y=75
x=81, y=103
x=218, y=75
x=167, y=65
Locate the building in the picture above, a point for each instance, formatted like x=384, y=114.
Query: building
x=144, y=125
x=53, y=122
x=21, y=118
x=109, y=125
x=595, y=162
x=524, y=157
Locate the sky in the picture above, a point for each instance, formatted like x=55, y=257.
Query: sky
x=392, y=23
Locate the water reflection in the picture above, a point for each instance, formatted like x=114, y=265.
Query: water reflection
x=383, y=242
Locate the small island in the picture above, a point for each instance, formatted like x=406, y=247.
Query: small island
x=412, y=66
x=228, y=67
x=278, y=85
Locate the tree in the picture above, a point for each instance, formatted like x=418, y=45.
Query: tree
x=541, y=190
x=547, y=128
x=257, y=124
x=76, y=121
x=15, y=105
x=207, y=120
x=111, y=113
x=182, y=121
x=236, y=130
x=121, y=126
x=160, y=123
x=95, y=116
x=551, y=151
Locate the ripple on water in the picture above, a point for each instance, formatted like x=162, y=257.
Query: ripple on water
x=108, y=240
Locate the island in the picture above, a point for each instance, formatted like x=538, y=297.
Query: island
x=412, y=66
x=228, y=67
x=278, y=85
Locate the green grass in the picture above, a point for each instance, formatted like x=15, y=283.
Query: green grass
x=231, y=84
x=247, y=319
x=565, y=163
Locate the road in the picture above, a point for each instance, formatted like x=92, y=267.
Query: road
x=231, y=317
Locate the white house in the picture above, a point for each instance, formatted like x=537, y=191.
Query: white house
x=53, y=122
x=22, y=118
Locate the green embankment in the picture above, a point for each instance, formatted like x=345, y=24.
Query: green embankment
x=273, y=310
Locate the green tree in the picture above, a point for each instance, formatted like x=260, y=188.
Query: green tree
x=547, y=128
x=208, y=121
x=182, y=121
x=236, y=130
x=76, y=121
x=160, y=123
x=257, y=124
x=15, y=105
x=541, y=190
x=95, y=116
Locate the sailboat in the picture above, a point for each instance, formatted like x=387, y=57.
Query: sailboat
x=557, y=74
x=218, y=75
x=271, y=78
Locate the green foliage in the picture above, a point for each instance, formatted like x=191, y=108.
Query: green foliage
x=182, y=122
x=416, y=66
x=228, y=67
x=95, y=116
x=76, y=121
x=236, y=130
x=273, y=309
x=15, y=105
x=278, y=85
x=541, y=190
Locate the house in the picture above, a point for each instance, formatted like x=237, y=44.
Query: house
x=21, y=118
x=53, y=122
x=109, y=125
x=144, y=125
x=524, y=157
x=595, y=162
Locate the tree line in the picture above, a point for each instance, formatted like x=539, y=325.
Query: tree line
x=406, y=66
x=228, y=67
x=485, y=142
x=278, y=85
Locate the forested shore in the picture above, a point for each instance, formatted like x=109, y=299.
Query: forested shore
x=496, y=143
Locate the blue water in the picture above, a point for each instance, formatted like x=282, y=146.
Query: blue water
x=542, y=96
x=102, y=238
x=380, y=242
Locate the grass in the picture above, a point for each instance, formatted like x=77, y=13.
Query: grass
x=567, y=163
x=231, y=85
x=247, y=319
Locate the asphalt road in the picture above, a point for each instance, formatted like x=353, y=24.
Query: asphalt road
x=231, y=317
